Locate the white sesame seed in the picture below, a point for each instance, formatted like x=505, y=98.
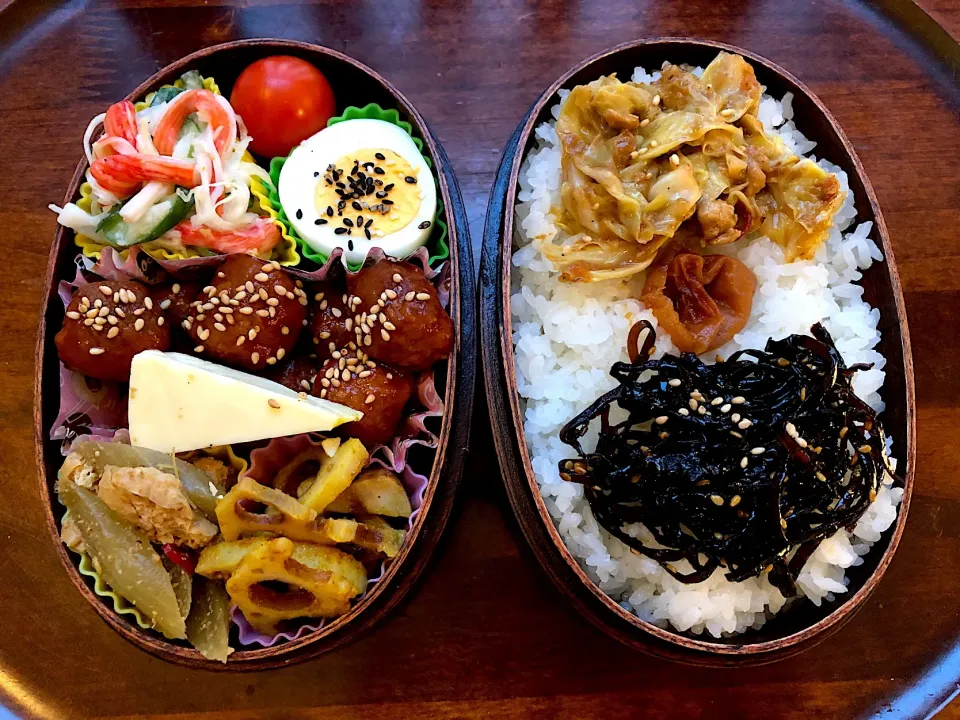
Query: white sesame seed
x=198, y=348
x=73, y=315
x=675, y=160
x=148, y=301
x=220, y=326
x=385, y=335
x=738, y=400
x=255, y=358
x=716, y=401
x=693, y=404
x=175, y=288
x=273, y=302
x=744, y=424
x=106, y=290
x=280, y=353
x=683, y=411
x=725, y=408
x=757, y=451
x=113, y=332
x=138, y=325
x=409, y=296
x=305, y=385
x=96, y=351
x=261, y=277
x=735, y=417
x=743, y=463
x=369, y=399
x=273, y=403
x=656, y=99
x=203, y=333
x=336, y=312
x=397, y=277
x=241, y=340
x=673, y=382
x=662, y=420
x=263, y=313
x=423, y=296
x=801, y=442
x=644, y=122
x=160, y=321
x=702, y=410
x=247, y=310
x=390, y=294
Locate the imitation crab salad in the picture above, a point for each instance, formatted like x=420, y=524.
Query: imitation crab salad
x=250, y=331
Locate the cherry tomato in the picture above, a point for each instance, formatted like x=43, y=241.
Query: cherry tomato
x=283, y=100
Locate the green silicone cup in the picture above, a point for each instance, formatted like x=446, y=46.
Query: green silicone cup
x=437, y=244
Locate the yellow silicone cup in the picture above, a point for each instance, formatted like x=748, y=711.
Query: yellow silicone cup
x=225, y=454
x=285, y=253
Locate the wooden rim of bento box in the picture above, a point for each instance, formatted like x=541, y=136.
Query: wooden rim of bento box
x=794, y=630
x=457, y=387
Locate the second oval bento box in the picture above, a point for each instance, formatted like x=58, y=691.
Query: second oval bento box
x=439, y=439
x=794, y=629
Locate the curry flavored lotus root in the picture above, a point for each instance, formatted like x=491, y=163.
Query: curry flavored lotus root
x=253, y=509
x=702, y=301
x=284, y=580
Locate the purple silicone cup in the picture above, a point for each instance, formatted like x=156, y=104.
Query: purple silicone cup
x=267, y=461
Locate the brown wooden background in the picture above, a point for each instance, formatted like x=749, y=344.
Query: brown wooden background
x=485, y=635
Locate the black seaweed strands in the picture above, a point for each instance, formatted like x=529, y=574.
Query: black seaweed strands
x=746, y=464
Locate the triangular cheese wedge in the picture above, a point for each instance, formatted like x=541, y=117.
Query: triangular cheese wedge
x=179, y=403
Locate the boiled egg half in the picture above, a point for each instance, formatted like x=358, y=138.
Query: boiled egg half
x=357, y=185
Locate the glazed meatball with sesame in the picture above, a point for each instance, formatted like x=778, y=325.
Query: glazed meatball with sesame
x=352, y=378
x=106, y=324
x=250, y=316
x=401, y=320
x=331, y=326
x=297, y=373
x=175, y=298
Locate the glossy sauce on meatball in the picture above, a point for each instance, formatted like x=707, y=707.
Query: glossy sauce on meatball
x=398, y=317
x=331, y=326
x=298, y=373
x=106, y=324
x=250, y=316
x=352, y=378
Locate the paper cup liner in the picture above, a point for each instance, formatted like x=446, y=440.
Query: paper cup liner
x=224, y=453
x=88, y=405
x=285, y=252
x=270, y=201
x=267, y=461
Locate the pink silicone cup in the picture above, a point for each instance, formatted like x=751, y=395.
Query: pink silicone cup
x=88, y=405
x=266, y=462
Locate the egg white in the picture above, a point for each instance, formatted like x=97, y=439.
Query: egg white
x=297, y=185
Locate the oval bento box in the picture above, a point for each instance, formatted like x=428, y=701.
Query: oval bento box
x=792, y=630
x=353, y=84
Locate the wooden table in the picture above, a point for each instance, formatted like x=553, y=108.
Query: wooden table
x=485, y=635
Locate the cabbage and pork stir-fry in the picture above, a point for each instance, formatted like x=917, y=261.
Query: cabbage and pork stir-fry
x=640, y=161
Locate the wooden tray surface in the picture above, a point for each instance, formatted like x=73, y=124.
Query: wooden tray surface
x=486, y=634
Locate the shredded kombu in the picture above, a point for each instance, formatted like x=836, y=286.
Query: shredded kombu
x=746, y=464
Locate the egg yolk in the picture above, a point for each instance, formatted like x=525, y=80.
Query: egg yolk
x=371, y=193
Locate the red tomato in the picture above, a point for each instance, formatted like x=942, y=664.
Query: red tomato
x=283, y=100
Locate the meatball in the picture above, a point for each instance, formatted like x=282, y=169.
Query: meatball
x=350, y=377
x=400, y=318
x=106, y=324
x=332, y=324
x=175, y=299
x=250, y=316
x=297, y=373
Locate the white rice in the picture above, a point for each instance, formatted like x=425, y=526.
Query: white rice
x=567, y=336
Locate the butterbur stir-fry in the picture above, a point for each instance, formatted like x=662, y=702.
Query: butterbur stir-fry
x=745, y=465
x=252, y=486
